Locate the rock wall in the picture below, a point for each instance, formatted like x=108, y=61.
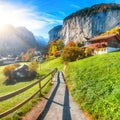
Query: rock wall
x=90, y=22
x=55, y=33
x=78, y=28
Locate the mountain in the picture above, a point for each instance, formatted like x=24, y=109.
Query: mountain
x=55, y=33
x=13, y=40
x=42, y=43
x=90, y=22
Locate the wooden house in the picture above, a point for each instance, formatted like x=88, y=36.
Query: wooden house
x=104, y=44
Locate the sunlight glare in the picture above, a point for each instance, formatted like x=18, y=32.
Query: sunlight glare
x=8, y=16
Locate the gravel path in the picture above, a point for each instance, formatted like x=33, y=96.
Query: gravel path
x=59, y=105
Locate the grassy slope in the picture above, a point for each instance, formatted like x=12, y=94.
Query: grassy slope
x=45, y=68
x=95, y=84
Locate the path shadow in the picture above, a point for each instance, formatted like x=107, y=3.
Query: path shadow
x=47, y=107
x=66, y=109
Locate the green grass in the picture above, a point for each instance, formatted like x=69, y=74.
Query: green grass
x=43, y=69
x=50, y=65
x=5, y=105
x=95, y=84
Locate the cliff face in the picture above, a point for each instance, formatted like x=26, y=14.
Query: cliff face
x=90, y=22
x=55, y=33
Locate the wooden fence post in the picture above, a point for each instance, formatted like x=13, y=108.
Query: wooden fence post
x=40, y=88
x=8, y=96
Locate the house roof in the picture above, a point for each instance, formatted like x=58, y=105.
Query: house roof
x=106, y=37
x=22, y=67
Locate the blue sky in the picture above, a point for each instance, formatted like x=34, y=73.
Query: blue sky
x=39, y=16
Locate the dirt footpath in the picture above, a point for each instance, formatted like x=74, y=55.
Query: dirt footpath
x=58, y=106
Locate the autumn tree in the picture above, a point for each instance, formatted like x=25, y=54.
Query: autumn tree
x=52, y=47
x=24, y=57
x=55, y=46
x=56, y=54
x=28, y=55
x=9, y=73
x=72, y=53
x=71, y=43
x=115, y=30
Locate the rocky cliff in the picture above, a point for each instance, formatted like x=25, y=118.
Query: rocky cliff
x=90, y=22
x=55, y=33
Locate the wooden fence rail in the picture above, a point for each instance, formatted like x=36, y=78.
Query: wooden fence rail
x=8, y=96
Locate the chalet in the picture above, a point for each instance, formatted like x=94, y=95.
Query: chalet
x=5, y=61
x=104, y=44
x=21, y=71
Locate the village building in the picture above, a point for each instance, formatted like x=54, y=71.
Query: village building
x=103, y=44
x=6, y=61
x=21, y=71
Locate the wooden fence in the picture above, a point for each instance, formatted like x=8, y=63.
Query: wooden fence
x=8, y=96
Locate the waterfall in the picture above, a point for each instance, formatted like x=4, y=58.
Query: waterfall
x=67, y=35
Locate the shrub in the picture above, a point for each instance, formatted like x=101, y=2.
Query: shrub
x=72, y=53
x=60, y=44
x=88, y=51
x=33, y=66
x=78, y=44
x=8, y=72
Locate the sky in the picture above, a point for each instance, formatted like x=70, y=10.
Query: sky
x=39, y=16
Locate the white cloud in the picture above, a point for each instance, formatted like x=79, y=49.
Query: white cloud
x=75, y=6
x=62, y=13
x=37, y=22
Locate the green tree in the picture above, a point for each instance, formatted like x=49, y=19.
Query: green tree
x=79, y=44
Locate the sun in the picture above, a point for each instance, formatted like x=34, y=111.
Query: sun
x=9, y=15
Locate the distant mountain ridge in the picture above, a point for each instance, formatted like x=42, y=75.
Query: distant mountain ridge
x=42, y=44
x=13, y=40
x=94, y=10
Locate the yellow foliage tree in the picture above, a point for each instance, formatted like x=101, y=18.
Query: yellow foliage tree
x=8, y=72
x=115, y=30
x=55, y=46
